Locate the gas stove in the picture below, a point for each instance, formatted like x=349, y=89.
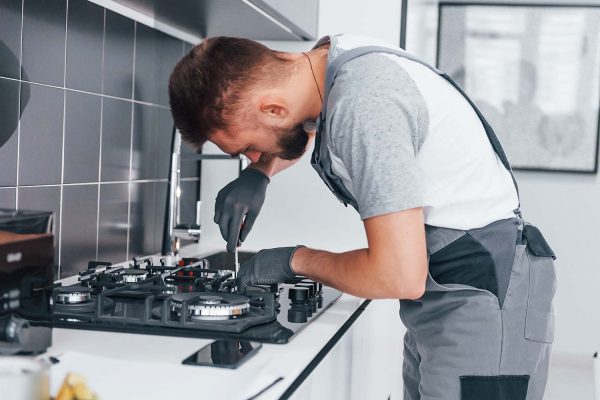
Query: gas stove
x=190, y=298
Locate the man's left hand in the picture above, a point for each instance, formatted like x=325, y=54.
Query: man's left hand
x=267, y=267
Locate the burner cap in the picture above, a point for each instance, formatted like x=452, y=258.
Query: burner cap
x=134, y=275
x=209, y=300
x=72, y=294
x=211, y=306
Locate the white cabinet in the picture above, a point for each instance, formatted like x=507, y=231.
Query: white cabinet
x=366, y=363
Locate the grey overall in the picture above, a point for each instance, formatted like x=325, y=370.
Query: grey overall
x=484, y=327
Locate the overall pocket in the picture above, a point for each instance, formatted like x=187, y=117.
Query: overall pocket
x=539, y=319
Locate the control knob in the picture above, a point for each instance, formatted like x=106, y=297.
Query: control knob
x=298, y=295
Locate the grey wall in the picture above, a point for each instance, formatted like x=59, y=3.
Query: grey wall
x=565, y=206
x=93, y=142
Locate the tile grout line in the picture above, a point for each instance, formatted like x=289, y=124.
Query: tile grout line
x=130, y=185
x=98, y=183
x=19, y=100
x=62, y=168
x=90, y=93
x=101, y=131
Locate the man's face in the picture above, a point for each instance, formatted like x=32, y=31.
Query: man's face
x=263, y=142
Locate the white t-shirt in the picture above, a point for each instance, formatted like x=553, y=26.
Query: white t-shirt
x=400, y=136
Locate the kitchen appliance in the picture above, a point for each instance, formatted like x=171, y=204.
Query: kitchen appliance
x=191, y=299
x=26, y=276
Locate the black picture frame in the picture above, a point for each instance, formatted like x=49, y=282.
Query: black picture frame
x=592, y=150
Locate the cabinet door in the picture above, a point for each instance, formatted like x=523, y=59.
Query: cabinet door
x=300, y=16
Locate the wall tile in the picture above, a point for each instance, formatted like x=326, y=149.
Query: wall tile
x=82, y=137
x=159, y=214
x=40, y=150
x=79, y=223
x=99, y=58
x=142, y=220
x=8, y=197
x=112, y=228
x=189, y=195
x=43, y=198
x=152, y=128
x=9, y=120
x=85, y=28
x=44, y=40
x=118, y=55
x=155, y=56
x=188, y=168
x=116, y=140
x=10, y=38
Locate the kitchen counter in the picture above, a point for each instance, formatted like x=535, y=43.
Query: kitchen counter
x=122, y=366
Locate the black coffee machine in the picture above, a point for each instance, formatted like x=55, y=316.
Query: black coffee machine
x=26, y=277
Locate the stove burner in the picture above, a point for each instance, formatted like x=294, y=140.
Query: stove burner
x=134, y=275
x=72, y=294
x=72, y=300
x=211, y=307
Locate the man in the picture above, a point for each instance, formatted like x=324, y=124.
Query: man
x=401, y=143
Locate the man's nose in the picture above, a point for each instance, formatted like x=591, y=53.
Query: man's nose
x=253, y=155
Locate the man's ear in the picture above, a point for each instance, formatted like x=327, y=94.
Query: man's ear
x=275, y=110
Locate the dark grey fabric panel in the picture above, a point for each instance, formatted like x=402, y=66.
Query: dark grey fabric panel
x=82, y=138
x=500, y=239
x=481, y=258
x=79, y=223
x=40, y=151
x=112, y=222
x=464, y=262
x=44, y=33
x=85, y=27
x=502, y=387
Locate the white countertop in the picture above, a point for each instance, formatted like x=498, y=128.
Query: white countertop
x=127, y=366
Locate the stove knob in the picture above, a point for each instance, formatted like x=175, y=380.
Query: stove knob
x=297, y=315
x=16, y=330
x=312, y=283
x=311, y=289
x=298, y=295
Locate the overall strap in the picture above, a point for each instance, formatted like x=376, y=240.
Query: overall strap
x=348, y=55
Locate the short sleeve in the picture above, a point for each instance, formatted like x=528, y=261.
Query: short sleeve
x=378, y=120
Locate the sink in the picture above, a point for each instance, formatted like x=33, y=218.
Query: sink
x=225, y=260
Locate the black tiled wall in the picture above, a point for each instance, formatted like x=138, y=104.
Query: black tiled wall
x=93, y=140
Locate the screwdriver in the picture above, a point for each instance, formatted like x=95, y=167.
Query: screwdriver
x=237, y=246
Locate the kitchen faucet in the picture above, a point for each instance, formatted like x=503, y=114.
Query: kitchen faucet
x=174, y=230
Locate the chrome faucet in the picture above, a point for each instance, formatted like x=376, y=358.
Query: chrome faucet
x=174, y=230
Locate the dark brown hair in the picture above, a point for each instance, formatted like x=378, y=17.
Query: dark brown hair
x=207, y=86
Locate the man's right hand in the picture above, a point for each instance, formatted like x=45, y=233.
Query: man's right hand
x=243, y=196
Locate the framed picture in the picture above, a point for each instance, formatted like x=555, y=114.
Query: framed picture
x=533, y=70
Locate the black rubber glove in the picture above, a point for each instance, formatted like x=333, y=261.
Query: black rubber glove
x=243, y=196
x=267, y=267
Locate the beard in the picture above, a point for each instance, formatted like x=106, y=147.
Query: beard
x=293, y=143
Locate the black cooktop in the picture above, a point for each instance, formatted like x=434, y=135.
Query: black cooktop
x=191, y=299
